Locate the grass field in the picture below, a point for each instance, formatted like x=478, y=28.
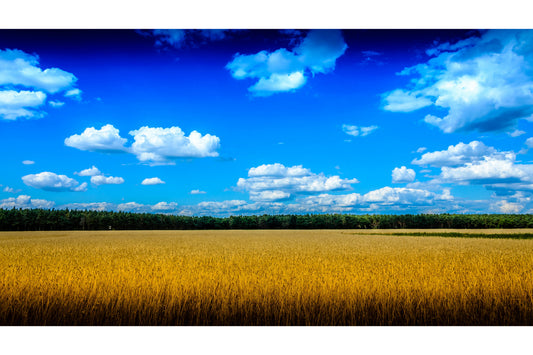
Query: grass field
x=275, y=277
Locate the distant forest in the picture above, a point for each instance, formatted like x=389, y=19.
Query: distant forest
x=43, y=220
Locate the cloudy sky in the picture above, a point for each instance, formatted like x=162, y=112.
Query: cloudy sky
x=222, y=122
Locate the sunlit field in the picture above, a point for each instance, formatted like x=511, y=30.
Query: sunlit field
x=274, y=277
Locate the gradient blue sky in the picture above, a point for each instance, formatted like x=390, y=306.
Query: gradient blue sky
x=222, y=122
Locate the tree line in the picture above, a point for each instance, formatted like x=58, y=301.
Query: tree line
x=52, y=219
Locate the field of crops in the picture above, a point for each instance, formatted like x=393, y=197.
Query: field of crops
x=274, y=277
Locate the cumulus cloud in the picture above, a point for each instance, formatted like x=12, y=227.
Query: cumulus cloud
x=478, y=164
x=132, y=207
x=164, y=206
x=98, y=180
x=483, y=82
x=460, y=154
x=489, y=170
x=287, y=70
x=276, y=181
x=507, y=207
x=358, y=131
x=52, y=182
x=529, y=142
x=401, y=175
x=20, y=70
x=25, y=201
x=106, y=139
x=161, y=145
x=217, y=207
x=152, y=145
x=278, y=83
x=21, y=104
x=152, y=181
x=403, y=101
x=270, y=195
x=279, y=170
x=28, y=162
x=89, y=172
x=386, y=198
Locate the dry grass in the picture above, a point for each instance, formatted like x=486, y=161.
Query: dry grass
x=262, y=278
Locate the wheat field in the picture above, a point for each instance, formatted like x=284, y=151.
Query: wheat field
x=274, y=277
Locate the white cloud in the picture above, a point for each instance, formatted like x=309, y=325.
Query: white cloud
x=25, y=201
x=197, y=192
x=398, y=196
x=278, y=83
x=21, y=70
x=164, y=206
x=278, y=170
x=56, y=103
x=18, y=104
x=132, y=207
x=401, y=175
x=160, y=145
x=152, y=181
x=52, y=182
x=476, y=163
x=516, y=133
x=9, y=189
x=403, y=101
x=106, y=139
x=153, y=145
x=507, y=207
x=269, y=181
x=89, y=172
x=286, y=70
x=28, y=162
x=82, y=187
x=270, y=195
x=529, y=142
x=421, y=150
x=74, y=94
x=98, y=180
x=460, y=154
x=484, y=83
x=357, y=130
x=161, y=207
x=490, y=170
x=386, y=198
x=222, y=207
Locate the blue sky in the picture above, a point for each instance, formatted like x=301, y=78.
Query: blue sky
x=227, y=122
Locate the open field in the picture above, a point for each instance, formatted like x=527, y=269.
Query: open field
x=274, y=277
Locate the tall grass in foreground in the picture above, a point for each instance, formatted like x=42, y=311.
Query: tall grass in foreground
x=262, y=278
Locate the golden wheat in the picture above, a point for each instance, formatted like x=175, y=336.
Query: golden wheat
x=262, y=278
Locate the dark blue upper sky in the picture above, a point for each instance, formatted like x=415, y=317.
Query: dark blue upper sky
x=265, y=121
